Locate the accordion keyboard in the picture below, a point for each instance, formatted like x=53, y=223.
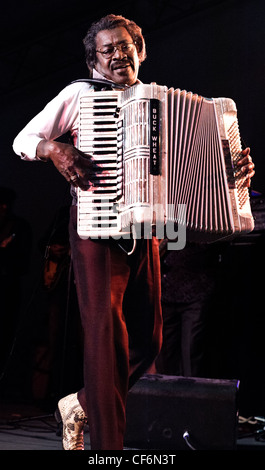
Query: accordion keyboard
x=97, y=215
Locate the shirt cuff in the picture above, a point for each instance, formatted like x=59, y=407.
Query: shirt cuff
x=28, y=151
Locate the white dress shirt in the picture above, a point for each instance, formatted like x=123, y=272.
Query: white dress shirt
x=60, y=115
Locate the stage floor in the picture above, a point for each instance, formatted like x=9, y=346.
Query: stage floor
x=26, y=427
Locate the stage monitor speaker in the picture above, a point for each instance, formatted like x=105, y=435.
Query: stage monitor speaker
x=168, y=412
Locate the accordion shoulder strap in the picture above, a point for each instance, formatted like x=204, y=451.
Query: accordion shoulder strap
x=99, y=84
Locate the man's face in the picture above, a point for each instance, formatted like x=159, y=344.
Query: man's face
x=122, y=67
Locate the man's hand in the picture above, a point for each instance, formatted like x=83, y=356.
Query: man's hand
x=246, y=166
x=77, y=167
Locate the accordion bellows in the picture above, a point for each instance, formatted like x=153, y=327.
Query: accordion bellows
x=162, y=150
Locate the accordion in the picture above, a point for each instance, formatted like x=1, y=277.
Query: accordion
x=166, y=155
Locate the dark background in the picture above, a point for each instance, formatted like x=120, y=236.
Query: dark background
x=213, y=48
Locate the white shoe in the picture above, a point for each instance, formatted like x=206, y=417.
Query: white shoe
x=73, y=418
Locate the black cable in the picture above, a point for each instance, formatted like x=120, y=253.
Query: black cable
x=186, y=437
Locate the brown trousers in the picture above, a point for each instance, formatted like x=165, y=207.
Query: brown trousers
x=119, y=299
